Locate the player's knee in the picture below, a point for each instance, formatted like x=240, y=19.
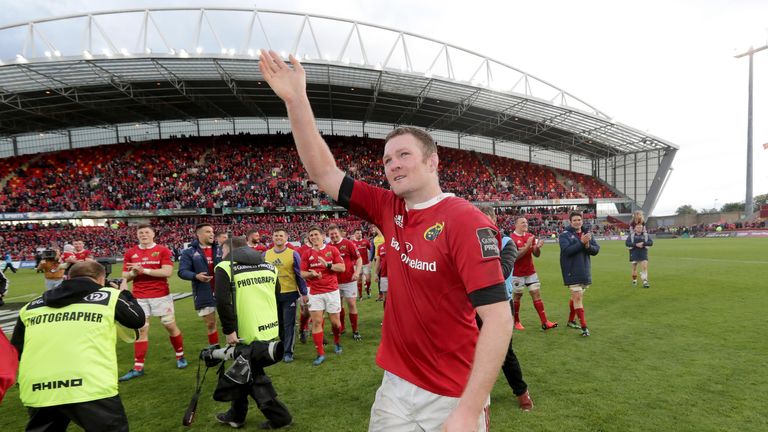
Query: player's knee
x=534, y=288
x=168, y=320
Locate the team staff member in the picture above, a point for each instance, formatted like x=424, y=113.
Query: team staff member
x=576, y=248
x=66, y=343
x=251, y=316
x=149, y=265
x=353, y=265
x=52, y=270
x=319, y=267
x=440, y=246
x=196, y=264
x=292, y=286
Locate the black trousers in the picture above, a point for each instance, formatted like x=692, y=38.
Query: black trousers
x=9, y=266
x=262, y=391
x=95, y=416
x=511, y=366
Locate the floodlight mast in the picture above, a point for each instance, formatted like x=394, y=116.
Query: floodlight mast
x=749, y=204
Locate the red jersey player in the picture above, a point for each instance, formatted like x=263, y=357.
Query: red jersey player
x=254, y=241
x=440, y=368
x=149, y=266
x=524, y=274
x=364, y=250
x=319, y=267
x=353, y=264
x=383, y=281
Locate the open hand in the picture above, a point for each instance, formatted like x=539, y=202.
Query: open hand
x=288, y=83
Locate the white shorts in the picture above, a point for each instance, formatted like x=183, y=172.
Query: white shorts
x=206, y=311
x=404, y=407
x=521, y=282
x=329, y=302
x=349, y=289
x=367, y=269
x=383, y=284
x=578, y=287
x=158, y=306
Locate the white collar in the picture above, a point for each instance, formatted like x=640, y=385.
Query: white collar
x=429, y=203
x=148, y=247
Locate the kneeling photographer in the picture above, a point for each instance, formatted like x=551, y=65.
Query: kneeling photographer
x=246, y=300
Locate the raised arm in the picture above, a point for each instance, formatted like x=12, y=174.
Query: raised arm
x=290, y=84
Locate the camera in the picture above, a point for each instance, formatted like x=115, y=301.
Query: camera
x=114, y=283
x=49, y=254
x=107, y=264
x=261, y=354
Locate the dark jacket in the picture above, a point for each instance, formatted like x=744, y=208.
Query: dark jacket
x=637, y=253
x=127, y=310
x=575, y=258
x=224, y=306
x=191, y=262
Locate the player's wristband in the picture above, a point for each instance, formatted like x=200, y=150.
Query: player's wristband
x=146, y=271
x=328, y=265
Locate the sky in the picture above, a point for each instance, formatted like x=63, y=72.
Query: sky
x=664, y=67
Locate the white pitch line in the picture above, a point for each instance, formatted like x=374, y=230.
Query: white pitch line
x=722, y=260
x=20, y=297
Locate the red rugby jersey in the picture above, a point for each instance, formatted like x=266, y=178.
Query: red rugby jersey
x=153, y=258
x=438, y=253
x=328, y=281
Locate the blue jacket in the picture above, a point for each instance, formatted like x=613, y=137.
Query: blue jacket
x=575, y=258
x=191, y=262
x=636, y=253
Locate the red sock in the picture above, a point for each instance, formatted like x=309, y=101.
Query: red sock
x=572, y=315
x=341, y=319
x=516, y=304
x=318, y=338
x=359, y=289
x=634, y=276
x=139, y=354
x=539, y=305
x=336, y=334
x=178, y=345
x=303, y=322
x=580, y=313
x=213, y=338
x=353, y=321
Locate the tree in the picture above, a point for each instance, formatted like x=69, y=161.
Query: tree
x=686, y=209
x=733, y=207
x=761, y=200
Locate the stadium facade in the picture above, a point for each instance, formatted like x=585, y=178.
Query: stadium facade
x=109, y=77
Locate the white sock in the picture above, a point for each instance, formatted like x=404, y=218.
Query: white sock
x=644, y=275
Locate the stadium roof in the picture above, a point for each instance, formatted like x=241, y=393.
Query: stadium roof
x=73, y=71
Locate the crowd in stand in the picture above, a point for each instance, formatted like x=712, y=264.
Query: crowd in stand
x=249, y=171
x=239, y=171
x=111, y=239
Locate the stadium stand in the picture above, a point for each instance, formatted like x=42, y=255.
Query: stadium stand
x=244, y=171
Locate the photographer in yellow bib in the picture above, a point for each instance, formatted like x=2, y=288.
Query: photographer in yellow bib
x=68, y=362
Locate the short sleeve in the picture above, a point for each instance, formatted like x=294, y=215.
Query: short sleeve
x=353, y=251
x=165, y=257
x=126, y=261
x=367, y=202
x=475, y=246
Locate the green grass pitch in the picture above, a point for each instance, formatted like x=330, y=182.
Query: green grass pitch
x=688, y=354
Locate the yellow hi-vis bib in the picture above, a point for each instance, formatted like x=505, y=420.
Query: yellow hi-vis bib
x=283, y=261
x=69, y=353
x=255, y=300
